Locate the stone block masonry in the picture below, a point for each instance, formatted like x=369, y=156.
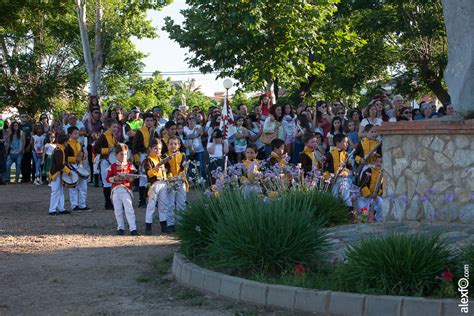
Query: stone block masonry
x=428, y=171
x=307, y=300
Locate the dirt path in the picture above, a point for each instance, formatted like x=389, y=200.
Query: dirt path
x=75, y=265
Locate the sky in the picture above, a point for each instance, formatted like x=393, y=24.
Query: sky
x=165, y=55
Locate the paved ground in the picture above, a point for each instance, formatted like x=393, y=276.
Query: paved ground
x=75, y=265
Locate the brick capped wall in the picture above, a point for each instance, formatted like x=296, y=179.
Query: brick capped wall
x=428, y=171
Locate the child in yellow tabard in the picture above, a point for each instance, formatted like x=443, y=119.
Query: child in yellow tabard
x=250, y=178
x=177, y=184
x=157, y=191
x=75, y=156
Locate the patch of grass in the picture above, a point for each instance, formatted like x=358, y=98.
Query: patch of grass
x=187, y=294
x=245, y=312
x=143, y=279
x=161, y=266
x=198, y=301
x=325, y=278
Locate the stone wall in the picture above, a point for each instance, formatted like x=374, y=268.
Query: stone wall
x=428, y=171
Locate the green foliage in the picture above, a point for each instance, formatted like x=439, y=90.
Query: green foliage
x=193, y=95
x=321, y=278
x=240, y=98
x=397, y=265
x=324, y=206
x=254, y=41
x=467, y=255
x=408, y=36
x=196, y=225
x=43, y=59
x=39, y=60
x=149, y=92
x=59, y=106
x=268, y=237
x=466, y=258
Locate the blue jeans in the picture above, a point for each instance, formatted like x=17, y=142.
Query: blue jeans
x=37, y=164
x=13, y=159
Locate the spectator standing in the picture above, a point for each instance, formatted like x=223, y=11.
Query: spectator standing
x=3, y=126
x=26, y=161
x=426, y=112
x=94, y=128
x=15, y=146
x=37, y=143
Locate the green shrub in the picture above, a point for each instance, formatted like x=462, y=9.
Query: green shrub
x=255, y=235
x=323, y=205
x=195, y=226
x=466, y=258
x=397, y=265
x=467, y=255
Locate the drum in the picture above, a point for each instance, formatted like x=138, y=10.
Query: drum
x=69, y=180
x=82, y=172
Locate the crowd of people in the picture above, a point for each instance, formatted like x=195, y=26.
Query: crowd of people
x=109, y=144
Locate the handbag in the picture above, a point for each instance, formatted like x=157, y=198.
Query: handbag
x=267, y=138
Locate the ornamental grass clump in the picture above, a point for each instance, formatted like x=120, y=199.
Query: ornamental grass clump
x=196, y=225
x=397, y=265
x=324, y=206
x=256, y=235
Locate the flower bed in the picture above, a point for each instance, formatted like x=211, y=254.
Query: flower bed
x=299, y=299
x=285, y=241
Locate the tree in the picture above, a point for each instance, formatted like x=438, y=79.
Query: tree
x=278, y=41
x=38, y=60
x=150, y=92
x=413, y=31
x=115, y=22
x=192, y=95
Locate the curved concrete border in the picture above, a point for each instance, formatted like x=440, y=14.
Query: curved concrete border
x=306, y=300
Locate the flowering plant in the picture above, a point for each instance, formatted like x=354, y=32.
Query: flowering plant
x=447, y=288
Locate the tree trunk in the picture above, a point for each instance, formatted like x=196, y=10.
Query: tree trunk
x=441, y=93
x=303, y=90
x=98, y=46
x=93, y=65
x=433, y=79
x=276, y=89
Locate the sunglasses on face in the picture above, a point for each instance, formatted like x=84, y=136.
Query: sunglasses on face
x=340, y=113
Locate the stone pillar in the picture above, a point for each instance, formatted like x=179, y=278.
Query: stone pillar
x=459, y=74
x=428, y=171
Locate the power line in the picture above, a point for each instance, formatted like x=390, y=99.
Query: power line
x=176, y=73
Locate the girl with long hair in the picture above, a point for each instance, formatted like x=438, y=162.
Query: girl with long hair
x=14, y=146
